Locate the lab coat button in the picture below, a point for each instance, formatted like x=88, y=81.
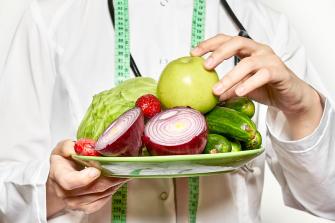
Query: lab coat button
x=163, y=196
x=163, y=2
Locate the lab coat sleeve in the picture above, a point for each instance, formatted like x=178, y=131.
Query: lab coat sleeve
x=27, y=78
x=305, y=168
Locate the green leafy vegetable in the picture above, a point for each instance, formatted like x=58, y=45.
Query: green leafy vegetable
x=109, y=105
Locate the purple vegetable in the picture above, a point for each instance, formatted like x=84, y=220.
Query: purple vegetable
x=123, y=136
x=176, y=131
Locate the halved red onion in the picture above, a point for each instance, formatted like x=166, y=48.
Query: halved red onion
x=176, y=131
x=123, y=136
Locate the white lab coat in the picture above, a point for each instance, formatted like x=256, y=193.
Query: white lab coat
x=55, y=55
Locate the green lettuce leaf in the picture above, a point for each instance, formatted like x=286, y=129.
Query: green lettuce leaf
x=109, y=105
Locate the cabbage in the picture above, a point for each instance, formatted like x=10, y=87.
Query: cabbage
x=109, y=105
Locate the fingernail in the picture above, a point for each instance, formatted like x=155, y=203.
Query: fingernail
x=240, y=90
x=195, y=51
x=92, y=172
x=218, y=89
x=209, y=62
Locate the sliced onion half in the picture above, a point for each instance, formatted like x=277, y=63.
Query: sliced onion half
x=176, y=131
x=123, y=136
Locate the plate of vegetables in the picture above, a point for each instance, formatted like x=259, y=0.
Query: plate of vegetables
x=141, y=129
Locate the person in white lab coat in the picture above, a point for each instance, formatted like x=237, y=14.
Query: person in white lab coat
x=55, y=55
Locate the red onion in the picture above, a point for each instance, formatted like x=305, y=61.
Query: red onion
x=176, y=131
x=123, y=136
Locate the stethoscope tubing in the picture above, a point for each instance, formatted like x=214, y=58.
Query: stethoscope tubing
x=243, y=32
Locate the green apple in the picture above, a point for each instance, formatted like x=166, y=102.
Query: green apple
x=185, y=82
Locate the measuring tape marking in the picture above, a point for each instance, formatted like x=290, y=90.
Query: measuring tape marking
x=122, y=65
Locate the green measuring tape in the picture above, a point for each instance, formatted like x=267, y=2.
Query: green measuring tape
x=198, y=22
x=198, y=35
x=122, y=52
x=122, y=64
x=119, y=205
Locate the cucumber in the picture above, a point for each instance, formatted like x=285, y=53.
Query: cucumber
x=217, y=144
x=235, y=146
x=241, y=104
x=254, y=143
x=226, y=121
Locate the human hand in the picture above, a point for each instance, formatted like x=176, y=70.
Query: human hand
x=263, y=76
x=71, y=187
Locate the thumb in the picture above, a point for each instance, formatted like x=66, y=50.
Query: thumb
x=69, y=178
x=64, y=148
x=77, y=179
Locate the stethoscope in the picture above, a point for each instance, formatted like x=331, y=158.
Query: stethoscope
x=243, y=32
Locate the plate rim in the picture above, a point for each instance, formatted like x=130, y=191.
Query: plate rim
x=172, y=158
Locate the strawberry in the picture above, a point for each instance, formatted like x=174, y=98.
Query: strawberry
x=86, y=147
x=149, y=104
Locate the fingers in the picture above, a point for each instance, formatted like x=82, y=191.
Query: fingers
x=71, y=182
x=68, y=177
x=238, y=73
x=63, y=171
x=257, y=80
x=89, y=203
x=239, y=46
x=80, y=201
x=92, y=207
x=224, y=47
x=266, y=77
x=251, y=74
x=101, y=185
x=64, y=148
x=95, y=206
x=76, y=179
x=79, y=189
x=210, y=45
x=228, y=94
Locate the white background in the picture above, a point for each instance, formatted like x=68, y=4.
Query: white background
x=315, y=22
